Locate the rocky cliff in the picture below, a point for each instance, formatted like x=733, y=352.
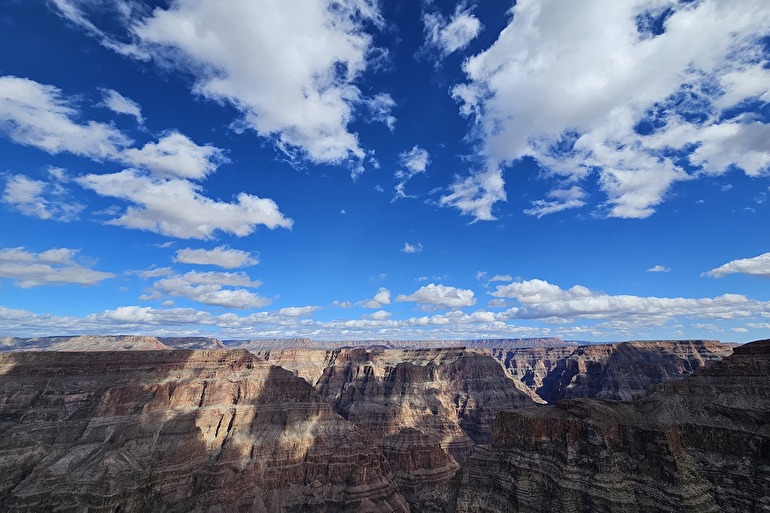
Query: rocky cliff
x=108, y=343
x=699, y=444
x=201, y=431
x=611, y=371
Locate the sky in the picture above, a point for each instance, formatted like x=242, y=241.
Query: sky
x=360, y=170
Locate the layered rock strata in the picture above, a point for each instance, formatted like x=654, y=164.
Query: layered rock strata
x=699, y=444
x=108, y=343
x=611, y=371
x=186, y=431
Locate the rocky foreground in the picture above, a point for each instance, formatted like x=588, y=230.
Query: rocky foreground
x=378, y=429
x=700, y=444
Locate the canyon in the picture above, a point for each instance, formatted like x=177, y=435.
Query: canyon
x=287, y=426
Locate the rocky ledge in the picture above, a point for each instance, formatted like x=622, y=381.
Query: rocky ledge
x=699, y=444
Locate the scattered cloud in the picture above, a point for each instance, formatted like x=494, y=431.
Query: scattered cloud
x=411, y=248
x=756, y=266
x=440, y=296
x=379, y=315
x=658, y=269
x=119, y=104
x=177, y=208
x=266, y=63
x=208, y=288
x=415, y=161
x=298, y=311
x=444, y=36
x=593, y=91
x=44, y=200
x=175, y=156
x=39, y=115
x=53, y=267
x=381, y=298
x=221, y=256
x=539, y=299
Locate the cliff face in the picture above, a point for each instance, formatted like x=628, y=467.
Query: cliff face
x=700, y=444
x=177, y=431
x=108, y=343
x=425, y=409
x=611, y=371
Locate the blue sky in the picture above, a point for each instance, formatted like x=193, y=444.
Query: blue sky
x=351, y=169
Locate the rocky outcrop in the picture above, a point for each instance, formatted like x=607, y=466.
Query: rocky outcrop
x=199, y=431
x=258, y=345
x=108, y=343
x=611, y=371
x=425, y=409
x=699, y=444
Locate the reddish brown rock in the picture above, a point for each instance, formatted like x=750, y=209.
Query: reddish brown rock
x=177, y=431
x=699, y=444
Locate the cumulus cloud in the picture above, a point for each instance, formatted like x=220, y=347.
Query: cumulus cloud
x=539, y=299
x=176, y=156
x=658, y=269
x=444, y=36
x=53, y=267
x=119, y=104
x=39, y=115
x=610, y=91
x=440, y=296
x=221, y=256
x=44, y=200
x=411, y=248
x=177, y=208
x=298, y=311
x=382, y=297
x=265, y=60
x=208, y=288
x=756, y=266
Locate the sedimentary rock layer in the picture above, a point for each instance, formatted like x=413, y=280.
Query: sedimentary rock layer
x=699, y=444
x=108, y=343
x=611, y=371
x=177, y=431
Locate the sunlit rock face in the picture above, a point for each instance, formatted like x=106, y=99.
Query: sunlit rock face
x=699, y=444
x=611, y=371
x=108, y=343
x=177, y=431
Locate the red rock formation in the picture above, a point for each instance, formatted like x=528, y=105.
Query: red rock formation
x=699, y=444
x=177, y=431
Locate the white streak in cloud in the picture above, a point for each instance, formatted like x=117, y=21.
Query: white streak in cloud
x=221, y=256
x=475, y=195
x=440, y=296
x=43, y=200
x=415, y=161
x=119, y=104
x=756, y=266
x=178, y=209
x=53, y=267
x=560, y=199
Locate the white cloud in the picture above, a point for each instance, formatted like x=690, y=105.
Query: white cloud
x=542, y=300
x=499, y=277
x=379, y=315
x=445, y=36
x=475, y=195
x=208, y=288
x=739, y=330
x=39, y=115
x=119, y=104
x=440, y=296
x=658, y=269
x=298, y=311
x=757, y=266
x=44, y=200
x=178, y=209
x=589, y=89
x=415, y=161
x=53, y=267
x=176, y=156
x=221, y=256
x=560, y=199
x=382, y=297
x=411, y=248
x=292, y=70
